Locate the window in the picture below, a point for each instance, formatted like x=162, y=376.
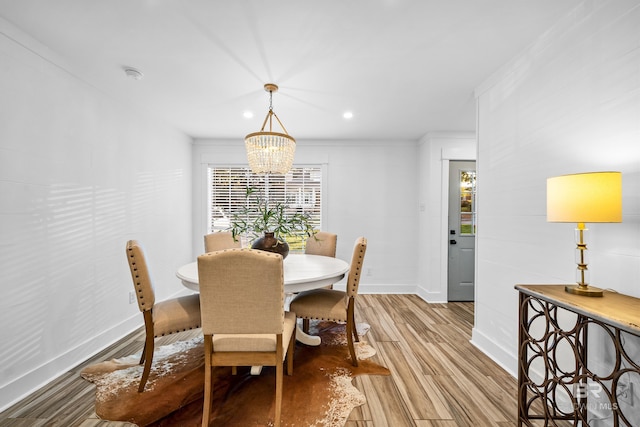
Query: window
x=467, y=202
x=300, y=189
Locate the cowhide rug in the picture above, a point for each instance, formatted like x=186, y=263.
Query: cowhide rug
x=319, y=393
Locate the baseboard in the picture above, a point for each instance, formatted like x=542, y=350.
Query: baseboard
x=21, y=387
x=431, y=297
x=380, y=289
x=495, y=352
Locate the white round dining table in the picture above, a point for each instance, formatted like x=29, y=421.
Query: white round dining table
x=302, y=272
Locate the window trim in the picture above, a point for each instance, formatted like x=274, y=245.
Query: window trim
x=207, y=189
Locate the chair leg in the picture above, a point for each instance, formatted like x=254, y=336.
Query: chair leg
x=279, y=375
x=208, y=395
x=355, y=329
x=305, y=326
x=352, y=350
x=144, y=353
x=351, y=331
x=147, y=351
x=290, y=351
x=279, y=362
x=148, y=360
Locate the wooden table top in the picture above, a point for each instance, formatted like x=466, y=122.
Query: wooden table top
x=619, y=310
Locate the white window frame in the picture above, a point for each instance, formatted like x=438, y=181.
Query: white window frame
x=252, y=178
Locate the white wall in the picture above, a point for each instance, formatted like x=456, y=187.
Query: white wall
x=370, y=191
x=80, y=174
x=435, y=152
x=570, y=103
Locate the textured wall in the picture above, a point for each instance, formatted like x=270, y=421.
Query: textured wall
x=371, y=190
x=436, y=150
x=570, y=103
x=79, y=175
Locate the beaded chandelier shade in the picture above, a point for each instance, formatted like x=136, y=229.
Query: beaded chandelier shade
x=268, y=151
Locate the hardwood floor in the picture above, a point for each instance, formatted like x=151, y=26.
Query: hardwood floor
x=438, y=378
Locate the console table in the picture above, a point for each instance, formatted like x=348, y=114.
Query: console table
x=555, y=381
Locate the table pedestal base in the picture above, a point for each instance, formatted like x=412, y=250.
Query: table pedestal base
x=306, y=339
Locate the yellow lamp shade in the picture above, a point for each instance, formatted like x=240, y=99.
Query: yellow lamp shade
x=585, y=197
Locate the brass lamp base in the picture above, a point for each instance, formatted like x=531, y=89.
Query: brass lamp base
x=584, y=290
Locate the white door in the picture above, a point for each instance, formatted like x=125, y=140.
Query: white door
x=462, y=230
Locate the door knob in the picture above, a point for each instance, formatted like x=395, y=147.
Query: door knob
x=453, y=242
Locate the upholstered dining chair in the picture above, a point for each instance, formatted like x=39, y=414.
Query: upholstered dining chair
x=220, y=240
x=335, y=305
x=243, y=317
x=322, y=243
x=160, y=318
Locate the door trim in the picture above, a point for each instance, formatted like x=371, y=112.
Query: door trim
x=444, y=217
x=463, y=240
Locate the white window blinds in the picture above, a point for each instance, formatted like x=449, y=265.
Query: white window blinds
x=300, y=189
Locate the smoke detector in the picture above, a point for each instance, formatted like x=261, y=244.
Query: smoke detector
x=133, y=73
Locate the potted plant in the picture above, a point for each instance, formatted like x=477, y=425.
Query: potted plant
x=267, y=225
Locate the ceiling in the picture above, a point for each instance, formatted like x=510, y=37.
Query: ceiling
x=403, y=67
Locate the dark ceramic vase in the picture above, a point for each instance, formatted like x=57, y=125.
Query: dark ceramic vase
x=269, y=243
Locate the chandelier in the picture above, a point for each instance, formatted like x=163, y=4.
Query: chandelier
x=268, y=151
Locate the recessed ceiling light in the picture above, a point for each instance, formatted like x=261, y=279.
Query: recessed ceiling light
x=348, y=115
x=248, y=114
